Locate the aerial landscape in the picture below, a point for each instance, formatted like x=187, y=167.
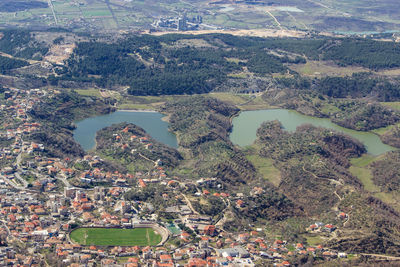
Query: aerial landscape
x=199, y=133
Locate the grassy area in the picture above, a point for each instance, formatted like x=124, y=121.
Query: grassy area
x=365, y=176
x=314, y=240
x=88, y=92
x=363, y=173
x=266, y=168
x=329, y=108
x=363, y=161
x=231, y=98
x=323, y=68
x=115, y=237
x=131, y=106
x=394, y=105
x=383, y=130
x=240, y=74
x=144, y=102
x=256, y=104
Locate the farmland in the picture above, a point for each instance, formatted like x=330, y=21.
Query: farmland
x=115, y=237
x=346, y=17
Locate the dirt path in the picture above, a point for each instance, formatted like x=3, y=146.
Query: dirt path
x=189, y=204
x=347, y=220
x=274, y=18
x=254, y=32
x=224, y=218
x=140, y=154
x=393, y=258
x=328, y=179
x=52, y=10
x=30, y=61
x=112, y=13
x=298, y=22
x=329, y=8
x=339, y=197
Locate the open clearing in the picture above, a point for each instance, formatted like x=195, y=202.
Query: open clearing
x=361, y=170
x=115, y=237
x=324, y=68
x=266, y=168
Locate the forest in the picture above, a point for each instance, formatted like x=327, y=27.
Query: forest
x=57, y=115
x=142, y=159
x=21, y=43
x=191, y=64
x=152, y=65
x=357, y=85
x=10, y=63
x=202, y=125
x=314, y=175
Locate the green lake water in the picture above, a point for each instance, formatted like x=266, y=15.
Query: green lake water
x=246, y=124
x=151, y=122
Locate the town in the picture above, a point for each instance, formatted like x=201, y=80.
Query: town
x=51, y=206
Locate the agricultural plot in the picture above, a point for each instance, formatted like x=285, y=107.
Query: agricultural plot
x=115, y=237
x=340, y=16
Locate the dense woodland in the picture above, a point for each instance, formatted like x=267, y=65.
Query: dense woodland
x=358, y=85
x=7, y=64
x=21, y=43
x=392, y=136
x=161, y=65
x=202, y=125
x=188, y=64
x=312, y=164
x=314, y=175
x=150, y=68
x=57, y=115
x=141, y=159
x=386, y=172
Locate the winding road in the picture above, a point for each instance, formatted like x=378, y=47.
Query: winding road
x=189, y=204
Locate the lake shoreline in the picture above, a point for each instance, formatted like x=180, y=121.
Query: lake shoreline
x=151, y=121
x=246, y=123
x=137, y=110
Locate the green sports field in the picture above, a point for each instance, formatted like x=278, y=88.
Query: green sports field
x=115, y=237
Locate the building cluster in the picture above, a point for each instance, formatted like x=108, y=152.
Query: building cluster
x=182, y=23
x=43, y=198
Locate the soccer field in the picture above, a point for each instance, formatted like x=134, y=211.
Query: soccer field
x=115, y=237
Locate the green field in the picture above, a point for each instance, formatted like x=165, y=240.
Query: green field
x=115, y=237
x=266, y=168
x=342, y=16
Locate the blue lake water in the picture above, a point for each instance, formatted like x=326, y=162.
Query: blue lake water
x=246, y=124
x=151, y=122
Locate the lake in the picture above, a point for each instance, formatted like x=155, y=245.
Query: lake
x=246, y=124
x=151, y=122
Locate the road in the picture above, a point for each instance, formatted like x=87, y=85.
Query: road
x=21, y=180
x=7, y=229
x=17, y=175
x=298, y=22
x=273, y=17
x=222, y=221
x=52, y=10
x=11, y=183
x=30, y=61
x=189, y=204
x=112, y=13
x=386, y=257
x=63, y=179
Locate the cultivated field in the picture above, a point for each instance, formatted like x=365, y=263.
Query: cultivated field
x=115, y=237
x=342, y=16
